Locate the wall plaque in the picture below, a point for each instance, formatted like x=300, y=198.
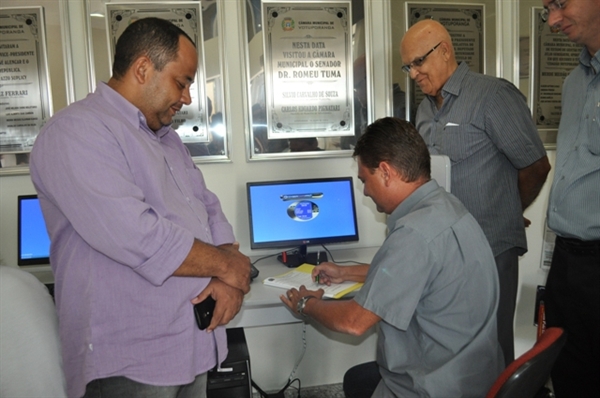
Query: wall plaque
x=554, y=56
x=308, y=68
x=191, y=122
x=24, y=80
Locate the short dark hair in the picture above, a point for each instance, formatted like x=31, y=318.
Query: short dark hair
x=156, y=38
x=397, y=142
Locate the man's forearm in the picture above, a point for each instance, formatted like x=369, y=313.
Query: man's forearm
x=531, y=181
x=355, y=273
x=203, y=260
x=224, y=262
x=344, y=316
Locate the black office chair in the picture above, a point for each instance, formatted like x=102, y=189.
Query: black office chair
x=527, y=375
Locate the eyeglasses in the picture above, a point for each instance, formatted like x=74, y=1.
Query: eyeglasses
x=554, y=5
x=419, y=61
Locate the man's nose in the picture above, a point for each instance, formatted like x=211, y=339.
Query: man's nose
x=186, y=97
x=555, y=20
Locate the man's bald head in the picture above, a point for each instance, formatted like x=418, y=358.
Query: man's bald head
x=427, y=50
x=427, y=32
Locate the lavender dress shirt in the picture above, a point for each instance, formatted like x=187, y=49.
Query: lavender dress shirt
x=122, y=206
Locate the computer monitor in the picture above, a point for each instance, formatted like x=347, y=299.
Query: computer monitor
x=33, y=240
x=297, y=213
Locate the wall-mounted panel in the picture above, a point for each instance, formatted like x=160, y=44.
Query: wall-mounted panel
x=307, y=78
x=202, y=125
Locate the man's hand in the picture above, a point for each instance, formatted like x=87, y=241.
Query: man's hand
x=237, y=273
x=224, y=262
x=292, y=297
x=228, y=302
x=327, y=273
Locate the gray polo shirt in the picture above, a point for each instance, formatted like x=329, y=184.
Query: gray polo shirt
x=435, y=286
x=574, y=206
x=486, y=129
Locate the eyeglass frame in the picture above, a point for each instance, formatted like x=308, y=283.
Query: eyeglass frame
x=418, y=62
x=554, y=5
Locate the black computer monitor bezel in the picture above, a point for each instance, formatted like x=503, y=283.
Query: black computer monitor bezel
x=291, y=243
x=20, y=260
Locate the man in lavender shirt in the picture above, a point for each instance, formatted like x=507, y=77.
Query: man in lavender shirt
x=137, y=238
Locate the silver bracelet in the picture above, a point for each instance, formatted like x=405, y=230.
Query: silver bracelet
x=302, y=303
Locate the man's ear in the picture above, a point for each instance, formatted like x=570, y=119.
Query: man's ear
x=387, y=172
x=141, y=69
x=445, y=50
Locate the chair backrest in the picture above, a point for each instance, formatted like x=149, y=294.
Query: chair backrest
x=526, y=375
x=30, y=358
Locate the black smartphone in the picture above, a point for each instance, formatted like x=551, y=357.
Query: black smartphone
x=204, y=312
x=253, y=272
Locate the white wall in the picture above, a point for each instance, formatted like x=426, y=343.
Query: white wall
x=274, y=350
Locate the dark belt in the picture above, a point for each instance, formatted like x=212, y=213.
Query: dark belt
x=578, y=246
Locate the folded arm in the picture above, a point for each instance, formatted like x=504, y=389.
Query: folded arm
x=531, y=180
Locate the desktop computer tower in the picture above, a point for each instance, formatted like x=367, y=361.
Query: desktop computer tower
x=233, y=381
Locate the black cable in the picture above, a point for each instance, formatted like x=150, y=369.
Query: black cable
x=298, y=389
x=339, y=262
x=257, y=388
x=265, y=257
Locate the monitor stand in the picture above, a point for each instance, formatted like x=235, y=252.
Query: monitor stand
x=293, y=259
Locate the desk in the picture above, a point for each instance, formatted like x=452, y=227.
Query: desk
x=262, y=306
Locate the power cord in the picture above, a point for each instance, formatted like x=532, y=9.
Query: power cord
x=265, y=257
x=291, y=379
x=339, y=262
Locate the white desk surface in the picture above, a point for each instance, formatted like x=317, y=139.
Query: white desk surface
x=263, y=307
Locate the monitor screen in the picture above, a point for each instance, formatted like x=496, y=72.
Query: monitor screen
x=33, y=240
x=286, y=214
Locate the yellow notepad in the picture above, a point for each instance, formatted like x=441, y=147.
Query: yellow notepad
x=301, y=276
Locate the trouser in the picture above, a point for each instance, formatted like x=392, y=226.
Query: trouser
x=360, y=381
x=507, y=264
x=119, y=386
x=572, y=301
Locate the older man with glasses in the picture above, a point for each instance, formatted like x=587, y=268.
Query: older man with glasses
x=499, y=164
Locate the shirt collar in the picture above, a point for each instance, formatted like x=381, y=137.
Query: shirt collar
x=409, y=203
x=454, y=83
x=128, y=110
x=586, y=59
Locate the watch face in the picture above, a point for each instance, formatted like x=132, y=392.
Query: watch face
x=303, y=211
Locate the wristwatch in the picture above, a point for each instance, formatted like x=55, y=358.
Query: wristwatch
x=302, y=303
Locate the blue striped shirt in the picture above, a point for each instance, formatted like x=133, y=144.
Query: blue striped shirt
x=574, y=207
x=485, y=127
